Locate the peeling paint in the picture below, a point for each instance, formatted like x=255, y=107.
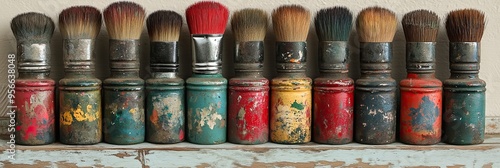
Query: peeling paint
x=35, y=118
x=291, y=104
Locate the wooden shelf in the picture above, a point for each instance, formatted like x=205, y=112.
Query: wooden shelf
x=265, y=155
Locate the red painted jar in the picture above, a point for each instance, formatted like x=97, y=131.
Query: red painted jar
x=333, y=110
x=35, y=117
x=248, y=113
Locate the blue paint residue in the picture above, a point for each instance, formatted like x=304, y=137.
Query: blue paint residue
x=425, y=115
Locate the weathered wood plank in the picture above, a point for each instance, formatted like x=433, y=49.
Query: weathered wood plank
x=265, y=155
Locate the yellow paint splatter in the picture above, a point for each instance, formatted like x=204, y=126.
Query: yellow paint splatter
x=66, y=118
x=133, y=110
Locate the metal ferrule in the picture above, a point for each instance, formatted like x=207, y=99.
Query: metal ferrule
x=78, y=55
x=465, y=57
x=375, y=57
x=420, y=57
x=249, y=56
x=291, y=56
x=164, y=56
x=33, y=57
x=333, y=56
x=207, y=53
x=124, y=55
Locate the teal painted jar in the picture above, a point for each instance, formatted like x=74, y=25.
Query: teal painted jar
x=164, y=96
x=79, y=95
x=123, y=116
x=207, y=111
x=464, y=96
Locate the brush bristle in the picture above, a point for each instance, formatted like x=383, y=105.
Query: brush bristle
x=376, y=24
x=164, y=26
x=32, y=26
x=333, y=24
x=291, y=23
x=207, y=17
x=80, y=22
x=249, y=25
x=465, y=25
x=421, y=26
x=124, y=20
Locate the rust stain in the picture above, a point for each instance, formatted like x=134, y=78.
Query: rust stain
x=122, y=155
x=203, y=165
x=141, y=153
x=489, y=165
x=456, y=166
x=37, y=164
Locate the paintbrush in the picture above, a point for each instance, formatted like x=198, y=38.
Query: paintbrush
x=34, y=90
x=291, y=100
x=165, y=90
x=124, y=90
x=80, y=90
x=207, y=88
x=333, y=27
x=375, y=108
x=333, y=89
x=249, y=90
x=249, y=27
x=464, y=92
x=420, y=88
x=207, y=22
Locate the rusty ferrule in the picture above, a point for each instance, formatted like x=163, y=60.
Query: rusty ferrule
x=78, y=55
x=207, y=53
x=124, y=55
x=33, y=57
x=333, y=56
x=375, y=57
x=420, y=57
x=249, y=56
x=465, y=57
x=164, y=56
x=291, y=56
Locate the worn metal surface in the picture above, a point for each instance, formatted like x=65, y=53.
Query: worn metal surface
x=34, y=94
x=80, y=120
x=34, y=99
x=264, y=155
x=464, y=96
x=375, y=96
x=165, y=96
x=421, y=97
x=291, y=105
x=123, y=116
x=206, y=108
x=207, y=55
x=248, y=101
x=333, y=96
x=291, y=95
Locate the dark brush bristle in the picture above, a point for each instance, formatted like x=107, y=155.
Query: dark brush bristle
x=124, y=20
x=207, y=17
x=376, y=24
x=333, y=24
x=80, y=22
x=249, y=25
x=32, y=26
x=164, y=26
x=465, y=25
x=421, y=26
x=291, y=23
